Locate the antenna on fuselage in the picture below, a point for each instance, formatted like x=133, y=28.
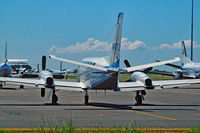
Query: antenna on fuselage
x=192, y=31
x=38, y=67
x=6, y=53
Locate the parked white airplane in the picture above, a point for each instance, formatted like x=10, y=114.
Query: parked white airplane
x=5, y=67
x=188, y=68
x=59, y=74
x=103, y=74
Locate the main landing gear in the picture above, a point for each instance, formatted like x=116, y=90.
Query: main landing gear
x=86, y=96
x=140, y=96
x=1, y=85
x=54, y=97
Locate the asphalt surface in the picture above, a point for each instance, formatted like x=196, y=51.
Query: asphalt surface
x=167, y=108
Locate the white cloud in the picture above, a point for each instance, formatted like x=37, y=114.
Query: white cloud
x=176, y=45
x=90, y=45
x=128, y=45
x=96, y=45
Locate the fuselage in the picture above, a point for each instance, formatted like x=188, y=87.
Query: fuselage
x=5, y=70
x=97, y=79
x=191, y=70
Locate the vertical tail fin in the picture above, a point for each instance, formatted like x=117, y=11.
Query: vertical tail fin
x=185, y=60
x=115, y=54
x=184, y=52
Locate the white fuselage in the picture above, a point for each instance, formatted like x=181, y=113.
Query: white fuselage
x=191, y=70
x=5, y=70
x=97, y=79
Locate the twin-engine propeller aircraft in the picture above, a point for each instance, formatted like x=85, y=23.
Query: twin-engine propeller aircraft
x=188, y=68
x=102, y=73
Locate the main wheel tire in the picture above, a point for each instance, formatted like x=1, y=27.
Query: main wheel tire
x=143, y=92
x=86, y=99
x=21, y=86
x=54, y=99
x=138, y=99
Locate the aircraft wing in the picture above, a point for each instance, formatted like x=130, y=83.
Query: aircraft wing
x=175, y=83
x=172, y=65
x=135, y=86
x=21, y=81
x=131, y=86
x=65, y=85
x=59, y=85
x=131, y=69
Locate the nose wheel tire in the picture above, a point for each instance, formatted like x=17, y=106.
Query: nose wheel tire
x=138, y=99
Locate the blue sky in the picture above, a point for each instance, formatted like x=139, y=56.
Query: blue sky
x=35, y=28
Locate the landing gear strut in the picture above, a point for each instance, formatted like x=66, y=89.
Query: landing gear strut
x=1, y=85
x=42, y=92
x=139, y=98
x=54, y=97
x=21, y=86
x=86, y=97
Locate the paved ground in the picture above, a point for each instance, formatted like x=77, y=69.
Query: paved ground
x=168, y=108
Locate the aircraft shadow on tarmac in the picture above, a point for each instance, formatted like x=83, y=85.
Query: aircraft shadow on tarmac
x=9, y=88
x=131, y=107
x=109, y=106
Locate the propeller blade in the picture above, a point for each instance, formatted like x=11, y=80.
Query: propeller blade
x=50, y=93
x=43, y=62
x=148, y=69
x=61, y=66
x=127, y=63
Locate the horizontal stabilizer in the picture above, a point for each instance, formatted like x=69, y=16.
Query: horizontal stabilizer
x=16, y=61
x=135, y=68
x=81, y=64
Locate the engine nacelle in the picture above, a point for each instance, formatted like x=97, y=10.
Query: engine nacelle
x=142, y=77
x=198, y=76
x=49, y=82
x=47, y=77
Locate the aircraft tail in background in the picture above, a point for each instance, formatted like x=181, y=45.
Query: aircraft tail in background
x=185, y=60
